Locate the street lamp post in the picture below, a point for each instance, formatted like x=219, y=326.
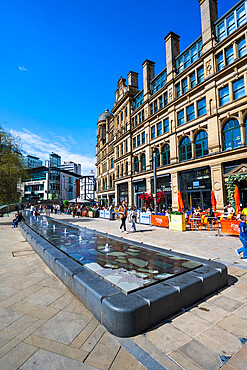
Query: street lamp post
x=155, y=181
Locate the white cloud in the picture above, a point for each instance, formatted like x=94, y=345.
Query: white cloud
x=41, y=147
x=21, y=68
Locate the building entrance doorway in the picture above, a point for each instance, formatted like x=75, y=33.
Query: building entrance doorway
x=243, y=192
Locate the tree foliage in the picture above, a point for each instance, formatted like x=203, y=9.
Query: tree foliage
x=12, y=168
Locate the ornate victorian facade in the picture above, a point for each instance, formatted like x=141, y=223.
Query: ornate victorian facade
x=193, y=113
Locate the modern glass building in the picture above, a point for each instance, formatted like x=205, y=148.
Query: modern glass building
x=193, y=114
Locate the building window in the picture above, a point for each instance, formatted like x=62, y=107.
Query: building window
x=143, y=115
x=126, y=146
x=136, y=165
x=166, y=125
x=121, y=116
x=231, y=22
x=111, y=162
x=138, y=140
x=178, y=90
x=200, y=75
x=143, y=138
x=241, y=48
x=110, y=182
x=151, y=109
x=118, y=151
x=157, y=157
x=143, y=162
x=133, y=122
x=229, y=56
x=165, y=98
x=238, y=88
x=190, y=113
x=192, y=80
x=185, y=150
x=189, y=56
x=122, y=170
x=140, y=117
x=184, y=86
x=155, y=106
x=134, y=142
x=201, y=107
x=161, y=101
x=231, y=135
x=220, y=62
x=121, y=149
x=180, y=116
x=126, y=169
x=201, y=144
x=165, y=155
x=159, y=129
x=152, y=132
x=136, y=121
x=224, y=95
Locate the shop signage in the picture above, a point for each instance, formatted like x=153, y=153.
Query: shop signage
x=145, y=218
x=160, y=220
x=102, y=213
x=108, y=214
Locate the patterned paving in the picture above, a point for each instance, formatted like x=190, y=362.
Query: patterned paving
x=43, y=326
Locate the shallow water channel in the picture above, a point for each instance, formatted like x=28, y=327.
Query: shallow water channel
x=121, y=263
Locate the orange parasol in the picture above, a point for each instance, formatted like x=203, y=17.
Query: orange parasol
x=237, y=200
x=180, y=202
x=213, y=200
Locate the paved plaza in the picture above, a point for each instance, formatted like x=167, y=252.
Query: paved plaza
x=44, y=326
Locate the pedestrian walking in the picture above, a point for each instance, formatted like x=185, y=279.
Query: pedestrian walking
x=123, y=215
x=18, y=219
x=133, y=216
x=243, y=237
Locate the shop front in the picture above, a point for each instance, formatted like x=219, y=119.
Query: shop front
x=139, y=188
x=164, y=184
x=111, y=199
x=195, y=187
x=235, y=174
x=123, y=193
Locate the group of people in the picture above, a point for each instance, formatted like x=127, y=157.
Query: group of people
x=123, y=214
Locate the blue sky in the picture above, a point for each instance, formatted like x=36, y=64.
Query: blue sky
x=61, y=60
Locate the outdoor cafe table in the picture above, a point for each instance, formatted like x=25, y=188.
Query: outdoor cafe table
x=194, y=221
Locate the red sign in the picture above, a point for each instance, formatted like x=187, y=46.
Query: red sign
x=159, y=221
x=230, y=227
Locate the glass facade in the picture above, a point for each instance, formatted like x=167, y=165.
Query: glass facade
x=231, y=135
x=195, y=186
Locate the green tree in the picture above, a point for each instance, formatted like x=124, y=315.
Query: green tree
x=12, y=168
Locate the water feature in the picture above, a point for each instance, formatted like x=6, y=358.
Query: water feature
x=121, y=263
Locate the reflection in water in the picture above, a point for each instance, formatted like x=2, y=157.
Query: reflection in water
x=126, y=266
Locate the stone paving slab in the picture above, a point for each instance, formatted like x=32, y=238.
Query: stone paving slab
x=201, y=338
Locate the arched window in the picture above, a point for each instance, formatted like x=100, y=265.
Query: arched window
x=143, y=162
x=136, y=165
x=231, y=135
x=201, y=144
x=157, y=157
x=165, y=155
x=185, y=149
